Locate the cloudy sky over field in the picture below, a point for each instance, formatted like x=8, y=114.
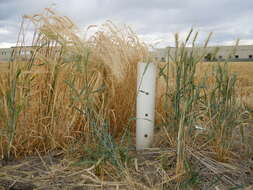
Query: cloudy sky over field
x=153, y=20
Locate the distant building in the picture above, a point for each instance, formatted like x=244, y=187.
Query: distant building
x=22, y=53
x=212, y=53
x=5, y=54
x=242, y=53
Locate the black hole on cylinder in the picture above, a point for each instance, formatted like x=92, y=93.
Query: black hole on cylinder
x=147, y=93
x=146, y=114
x=145, y=135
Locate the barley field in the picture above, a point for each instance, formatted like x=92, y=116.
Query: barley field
x=67, y=114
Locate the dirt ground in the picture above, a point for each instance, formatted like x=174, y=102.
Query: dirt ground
x=153, y=169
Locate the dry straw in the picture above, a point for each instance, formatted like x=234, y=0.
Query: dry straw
x=67, y=84
x=76, y=92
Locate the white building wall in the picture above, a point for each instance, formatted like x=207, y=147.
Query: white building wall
x=242, y=53
x=5, y=54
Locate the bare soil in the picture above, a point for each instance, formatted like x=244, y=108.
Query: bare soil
x=148, y=169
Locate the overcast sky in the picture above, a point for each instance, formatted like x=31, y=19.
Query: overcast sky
x=153, y=20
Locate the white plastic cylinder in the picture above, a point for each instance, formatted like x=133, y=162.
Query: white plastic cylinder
x=145, y=105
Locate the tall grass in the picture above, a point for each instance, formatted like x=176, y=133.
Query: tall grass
x=10, y=109
x=195, y=105
x=77, y=93
x=184, y=94
x=71, y=84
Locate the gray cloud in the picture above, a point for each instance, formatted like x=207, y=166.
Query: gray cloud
x=153, y=19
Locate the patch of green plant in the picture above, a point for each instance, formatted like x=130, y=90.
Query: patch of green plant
x=192, y=179
x=107, y=149
x=14, y=109
x=223, y=109
x=102, y=145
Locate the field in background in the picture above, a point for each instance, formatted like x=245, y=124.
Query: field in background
x=75, y=98
x=243, y=71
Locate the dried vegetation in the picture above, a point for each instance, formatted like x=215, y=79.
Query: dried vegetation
x=74, y=95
